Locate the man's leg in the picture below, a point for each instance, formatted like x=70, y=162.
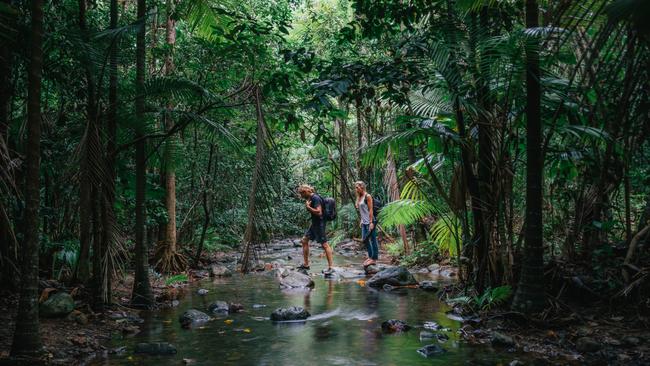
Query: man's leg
x=328, y=254
x=305, y=251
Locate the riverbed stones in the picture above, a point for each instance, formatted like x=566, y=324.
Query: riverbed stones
x=294, y=279
x=289, y=314
x=219, y=307
x=394, y=276
x=220, y=271
x=587, y=345
x=394, y=326
x=501, y=340
x=58, y=305
x=192, y=317
x=155, y=348
x=235, y=307
x=431, y=350
x=202, y=292
x=429, y=286
x=426, y=335
x=431, y=325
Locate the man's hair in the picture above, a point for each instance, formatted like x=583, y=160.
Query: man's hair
x=305, y=188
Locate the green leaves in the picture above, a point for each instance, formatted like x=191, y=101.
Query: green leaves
x=405, y=212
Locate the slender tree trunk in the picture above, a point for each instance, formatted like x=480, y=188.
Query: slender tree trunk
x=169, y=260
x=360, y=170
x=141, y=296
x=27, y=340
x=207, y=183
x=6, y=86
x=108, y=213
x=390, y=180
x=529, y=297
x=250, y=236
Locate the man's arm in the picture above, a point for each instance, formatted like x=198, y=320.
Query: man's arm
x=317, y=211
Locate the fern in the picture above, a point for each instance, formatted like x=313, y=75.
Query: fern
x=447, y=234
x=405, y=212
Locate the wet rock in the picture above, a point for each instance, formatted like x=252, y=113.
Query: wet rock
x=429, y=286
x=516, y=363
x=78, y=317
x=117, y=350
x=219, y=307
x=423, y=270
x=394, y=326
x=388, y=288
x=394, y=276
x=155, y=348
x=202, y=292
x=200, y=273
x=374, y=268
x=192, y=317
x=220, y=271
x=58, y=305
x=433, y=267
x=235, y=307
x=431, y=350
x=426, y=335
x=287, y=314
x=501, y=340
x=431, y=325
x=587, y=345
x=258, y=306
x=631, y=341
x=294, y=279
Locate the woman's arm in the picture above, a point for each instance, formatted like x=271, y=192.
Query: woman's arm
x=370, y=203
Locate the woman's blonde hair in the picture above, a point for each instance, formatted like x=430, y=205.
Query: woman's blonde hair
x=360, y=183
x=305, y=188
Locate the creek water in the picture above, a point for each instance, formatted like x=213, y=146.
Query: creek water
x=344, y=329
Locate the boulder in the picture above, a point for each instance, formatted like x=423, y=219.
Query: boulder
x=202, y=292
x=293, y=279
x=587, y=345
x=431, y=325
x=374, y=268
x=78, y=317
x=235, y=308
x=429, y=286
x=58, y=305
x=220, y=271
x=155, y=348
x=501, y=340
x=394, y=276
x=288, y=314
x=394, y=326
x=193, y=316
x=431, y=350
x=427, y=336
x=219, y=307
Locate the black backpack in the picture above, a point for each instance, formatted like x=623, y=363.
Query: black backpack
x=376, y=207
x=329, y=209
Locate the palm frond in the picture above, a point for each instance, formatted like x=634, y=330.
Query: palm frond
x=405, y=212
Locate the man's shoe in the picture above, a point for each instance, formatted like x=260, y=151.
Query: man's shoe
x=302, y=266
x=328, y=271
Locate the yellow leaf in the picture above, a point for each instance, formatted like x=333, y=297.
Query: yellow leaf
x=247, y=330
x=228, y=321
x=361, y=283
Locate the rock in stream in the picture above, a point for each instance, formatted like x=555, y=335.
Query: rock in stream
x=394, y=276
x=288, y=314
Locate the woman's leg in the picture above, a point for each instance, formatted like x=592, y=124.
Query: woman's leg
x=364, y=233
x=374, y=244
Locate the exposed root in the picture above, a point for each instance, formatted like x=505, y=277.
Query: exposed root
x=168, y=260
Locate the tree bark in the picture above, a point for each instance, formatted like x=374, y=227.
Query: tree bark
x=529, y=297
x=27, y=340
x=390, y=180
x=250, y=236
x=141, y=295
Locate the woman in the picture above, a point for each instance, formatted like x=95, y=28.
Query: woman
x=364, y=204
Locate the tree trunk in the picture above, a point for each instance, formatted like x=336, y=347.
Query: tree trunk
x=168, y=259
x=108, y=196
x=27, y=340
x=206, y=207
x=360, y=170
x=250, y=236
x=390, y=180
x=141, y=296
x=529, y=297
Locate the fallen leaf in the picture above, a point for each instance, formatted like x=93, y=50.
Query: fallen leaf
x=247, y=330
x=228, y=321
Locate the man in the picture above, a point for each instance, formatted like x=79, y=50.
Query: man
x=316, y=232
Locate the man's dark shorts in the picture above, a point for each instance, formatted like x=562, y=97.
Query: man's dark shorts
x=316, y=232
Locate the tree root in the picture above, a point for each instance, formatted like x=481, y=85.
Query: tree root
x=169, y=261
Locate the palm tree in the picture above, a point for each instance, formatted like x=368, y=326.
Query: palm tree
x=27, y=340
x=529, y=297
x=141, y=295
